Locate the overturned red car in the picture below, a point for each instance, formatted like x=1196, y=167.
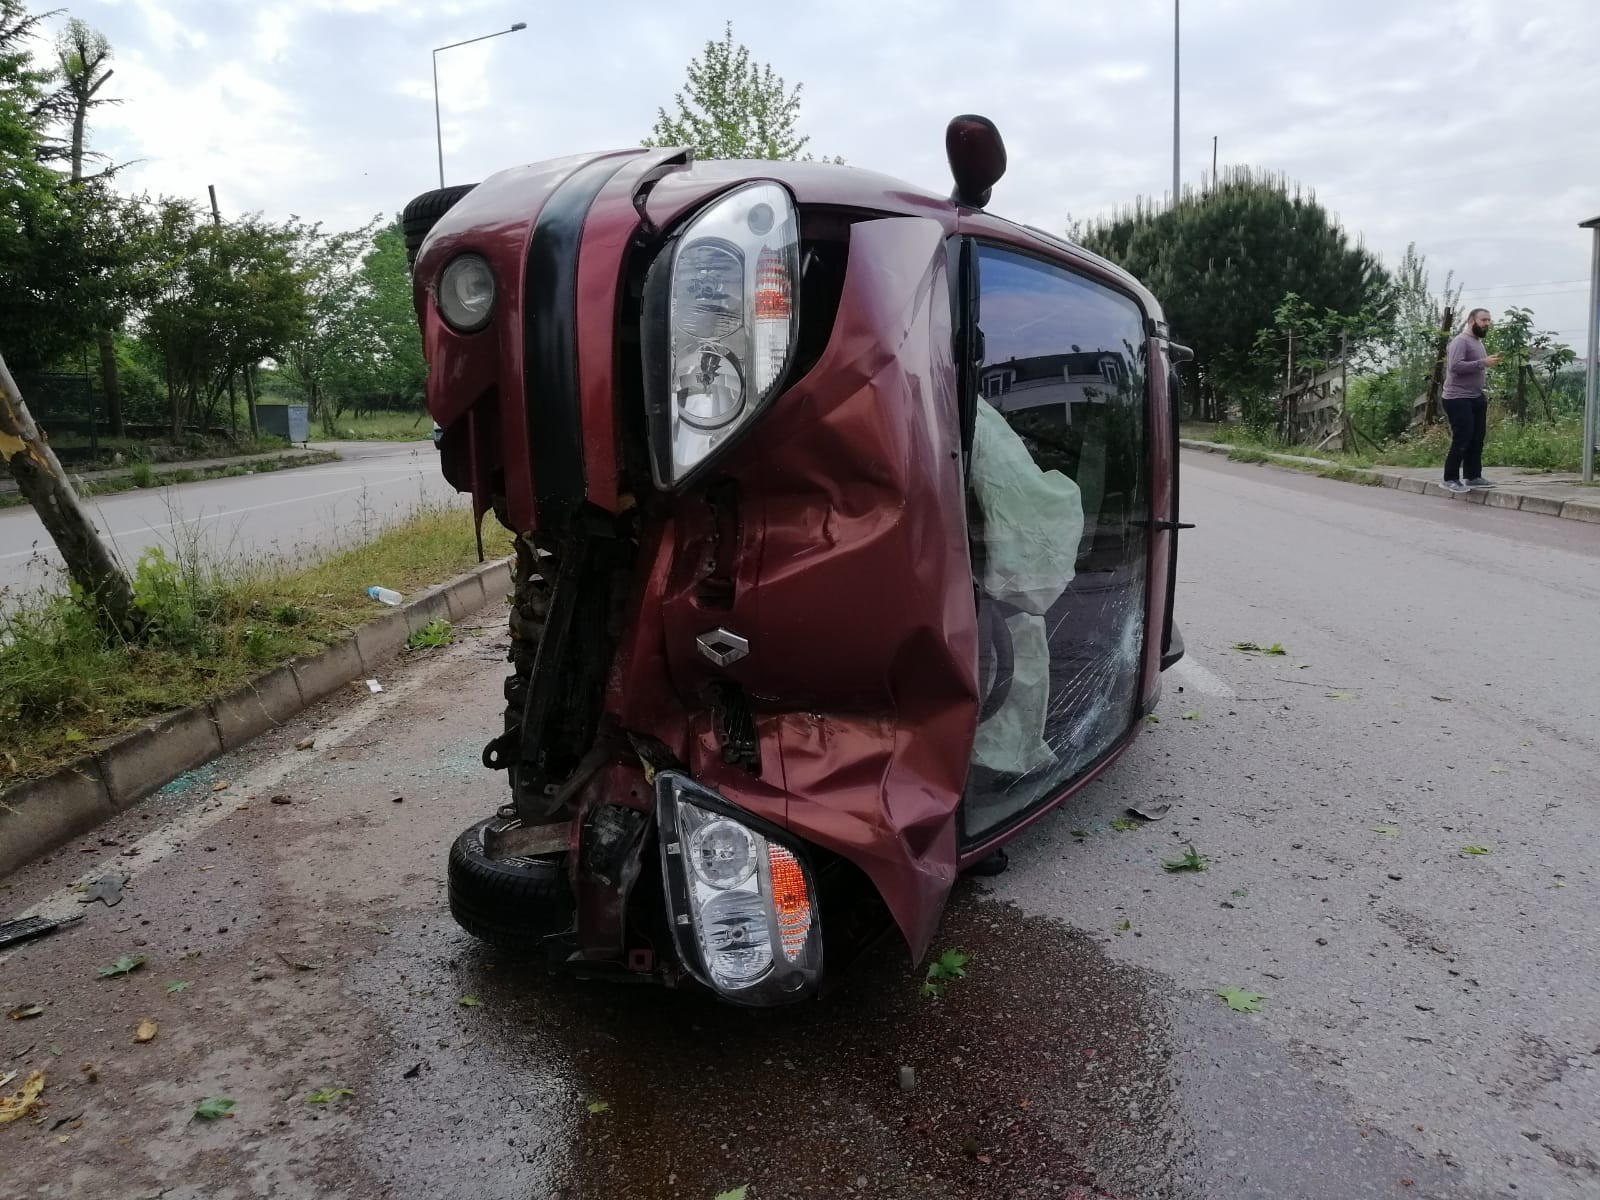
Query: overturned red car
x=845, y=519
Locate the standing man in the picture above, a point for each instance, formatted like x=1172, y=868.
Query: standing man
x=1466, y=367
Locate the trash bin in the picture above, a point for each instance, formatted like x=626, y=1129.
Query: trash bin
x=288, y=421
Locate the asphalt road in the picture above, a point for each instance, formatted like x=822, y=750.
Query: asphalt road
x=1429, y=1027
x=253, y=516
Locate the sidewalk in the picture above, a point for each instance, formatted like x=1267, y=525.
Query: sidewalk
x=8, y=486
x=1559, y=494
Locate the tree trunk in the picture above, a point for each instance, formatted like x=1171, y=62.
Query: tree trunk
x=44, y=484
x=250, y=399
x=111, y=382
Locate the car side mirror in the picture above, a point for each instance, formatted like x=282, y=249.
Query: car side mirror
x=977, y=158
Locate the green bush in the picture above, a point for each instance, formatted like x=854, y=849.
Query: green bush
x=1379, y=405
x=50, y=658
x=181, y=608
x=143, y=475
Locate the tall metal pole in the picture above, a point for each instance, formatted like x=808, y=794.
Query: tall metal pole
x=438, y=125
x=1175, y=195
x=1591, y=394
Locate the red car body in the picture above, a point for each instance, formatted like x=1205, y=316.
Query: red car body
x=832, y=535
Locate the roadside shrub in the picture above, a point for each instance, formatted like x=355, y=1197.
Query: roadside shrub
x=143, y=475
x=181, y=607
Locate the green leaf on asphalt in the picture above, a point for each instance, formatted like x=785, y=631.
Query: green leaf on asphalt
x=1240, y=1000
x=1080, y=834
x=1192, y=860
x=1342, y=696
x=327, y=1094
x=75, y=735
x=1275, y=650
x=213, y=1107
x=1387, y=830
x=738, y=1193
x=469, y=1002
x=1192, y=715
x=1124, y=925
x=125, y=965
x=1124, y=824
x=1153, y=719
x=596, y=1107
x=1240, y=893
x=174, y=986
x=949, y=966
x=1474, y=850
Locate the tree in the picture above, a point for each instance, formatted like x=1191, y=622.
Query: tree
x=28, y=210
x=329, y=265
x=1224, y=262
x=226, y=296
x=385, y=352
x=732, y=107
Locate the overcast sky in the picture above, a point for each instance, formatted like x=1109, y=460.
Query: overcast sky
x=1470, y=127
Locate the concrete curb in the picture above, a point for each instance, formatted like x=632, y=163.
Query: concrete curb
x=41, y=814
x=1548, y=506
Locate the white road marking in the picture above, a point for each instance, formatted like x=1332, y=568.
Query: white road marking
x=1192, y=675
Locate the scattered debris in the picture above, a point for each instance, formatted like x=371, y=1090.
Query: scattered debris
x=1387, y=830
x=374, y=686
x=1123, y=825
x=1192, y=860
x=596, y=1107
x=1240, y=1000
x=412, y=1072
x=213, y=1107
x=146, y=1031
x=309, y=743
x=174, y=986
x=24, y=928
x=125, y=965
x=20, y=1104
x=399, y=800
x=1475, y=850
x=295, y=966
x=25, y=1011
x=108, y=889
x=1151, y=812
x=469, y=1002
x=1343, y=696
x=1443, y=699
x=1396, y=876
x=1153, y=719
x=1122, y=926
x=281, y=799
x=1192, y=715
x=908, y=1079
x=739, y=1193
x=222, y=786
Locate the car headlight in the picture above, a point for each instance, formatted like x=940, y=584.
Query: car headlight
x=721, y=315
x=741, y=903
x=465, y=294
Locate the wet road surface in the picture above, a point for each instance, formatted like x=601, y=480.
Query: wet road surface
x=1430, y=1024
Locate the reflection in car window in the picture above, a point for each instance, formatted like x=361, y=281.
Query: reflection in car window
x=1060, y=501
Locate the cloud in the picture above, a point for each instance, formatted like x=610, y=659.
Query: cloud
x=1466, y=126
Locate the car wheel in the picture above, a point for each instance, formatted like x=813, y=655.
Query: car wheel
x=513, y=903
x=423, y=213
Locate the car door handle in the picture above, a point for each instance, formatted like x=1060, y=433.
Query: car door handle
x=1173, y=526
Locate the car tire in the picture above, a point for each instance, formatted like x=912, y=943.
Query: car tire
x=513, y=903
x=422, y=214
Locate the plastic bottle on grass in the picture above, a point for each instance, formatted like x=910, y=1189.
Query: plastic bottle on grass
x=384, y=596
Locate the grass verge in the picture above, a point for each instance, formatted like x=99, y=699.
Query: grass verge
x=1538, y=447
x=64, y=685
x=376, y=427
x=143, y=475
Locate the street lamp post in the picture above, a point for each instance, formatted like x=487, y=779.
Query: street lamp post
x=438, y=125
x=1591, y=383
x=1175, y=175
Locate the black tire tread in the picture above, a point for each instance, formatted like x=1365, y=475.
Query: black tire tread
x=423, y=213
x=513, y=904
